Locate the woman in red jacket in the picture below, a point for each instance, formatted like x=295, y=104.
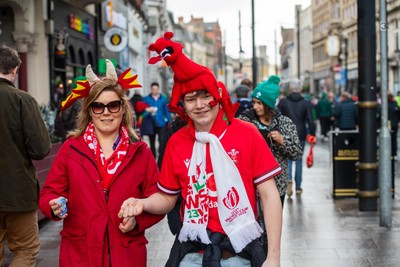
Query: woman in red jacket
x=101, y=164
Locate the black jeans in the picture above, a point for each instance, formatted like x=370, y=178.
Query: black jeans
x=160, y=131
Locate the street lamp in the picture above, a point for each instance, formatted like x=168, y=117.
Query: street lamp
x=241, y=53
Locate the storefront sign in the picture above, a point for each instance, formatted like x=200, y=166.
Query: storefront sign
x=115, y=39
x=78, y=24
x=115, y=18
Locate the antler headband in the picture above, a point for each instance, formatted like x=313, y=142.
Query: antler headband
x=82, y=88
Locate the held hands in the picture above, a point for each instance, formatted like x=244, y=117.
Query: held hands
x=131, y=207
x=57, y=207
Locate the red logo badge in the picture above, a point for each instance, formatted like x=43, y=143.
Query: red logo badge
x=232, y=199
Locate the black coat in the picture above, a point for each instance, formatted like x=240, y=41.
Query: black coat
x=298, y=109
x=346, y=115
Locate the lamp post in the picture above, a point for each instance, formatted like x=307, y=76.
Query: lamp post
x=367, y=105
x=241, y=52
x=385, y=166
x=255, y=80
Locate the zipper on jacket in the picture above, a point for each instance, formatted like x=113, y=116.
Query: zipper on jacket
x=83, y=154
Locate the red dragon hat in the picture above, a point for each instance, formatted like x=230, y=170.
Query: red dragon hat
x=189, y=76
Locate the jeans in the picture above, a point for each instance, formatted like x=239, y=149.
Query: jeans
x=298, y=175
x=160, y=131
x=196, y=260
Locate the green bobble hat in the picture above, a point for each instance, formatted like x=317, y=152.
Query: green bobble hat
x=268, y=91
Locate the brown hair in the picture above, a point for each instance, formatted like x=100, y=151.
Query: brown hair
x=9, y=59
x=105, y=84
x=248, y=83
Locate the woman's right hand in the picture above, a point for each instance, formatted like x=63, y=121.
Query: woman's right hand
x=57, y=208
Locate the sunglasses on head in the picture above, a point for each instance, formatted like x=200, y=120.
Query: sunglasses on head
x=113, y=107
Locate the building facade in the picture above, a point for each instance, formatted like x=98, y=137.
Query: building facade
x=334, y=45
x=24, y=25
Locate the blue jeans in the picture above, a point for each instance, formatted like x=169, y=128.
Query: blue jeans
x=298, y=175
x=196, y=260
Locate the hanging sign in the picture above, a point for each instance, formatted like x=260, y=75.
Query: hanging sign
x=115, y=39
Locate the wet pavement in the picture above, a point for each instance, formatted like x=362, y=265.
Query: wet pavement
x=318, y=230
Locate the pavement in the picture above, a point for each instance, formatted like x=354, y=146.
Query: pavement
x=318, y=230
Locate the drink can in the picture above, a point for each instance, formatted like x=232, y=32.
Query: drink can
x=63, y=202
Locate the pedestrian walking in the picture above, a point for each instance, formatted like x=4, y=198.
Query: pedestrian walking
x=160, y=113
x=324, y=115
x=393, y=119
x=346, y=113
x=278, y=131
x=214, y=155
x=102, y=163
x=24, y=137
x=298, y=109
x=248, y=83
x=242, y=93
x=144, y=123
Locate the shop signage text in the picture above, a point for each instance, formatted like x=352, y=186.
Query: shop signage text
x=78, y=24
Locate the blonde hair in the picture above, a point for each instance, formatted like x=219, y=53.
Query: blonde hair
x=83, y=118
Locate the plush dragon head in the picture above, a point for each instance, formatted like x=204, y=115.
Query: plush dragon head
x=166, y=49
x=188, y=75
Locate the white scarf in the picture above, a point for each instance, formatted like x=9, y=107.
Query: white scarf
x=234, y=208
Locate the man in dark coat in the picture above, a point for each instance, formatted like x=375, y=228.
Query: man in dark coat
x=24, y=137
x=346, y=113
x=242, y=93
x=298, y=109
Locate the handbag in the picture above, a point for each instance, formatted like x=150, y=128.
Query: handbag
x=310, y=157
x=312, y=140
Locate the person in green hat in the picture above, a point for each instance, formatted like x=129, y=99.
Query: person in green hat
x=278, y=130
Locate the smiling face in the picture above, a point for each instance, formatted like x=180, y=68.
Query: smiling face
x=107, y=123
x=198, y=109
